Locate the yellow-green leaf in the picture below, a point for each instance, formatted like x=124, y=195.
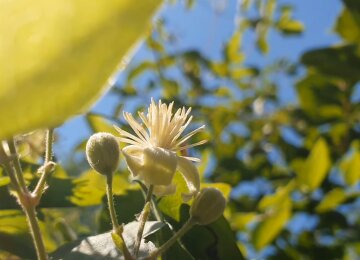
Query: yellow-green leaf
x=348, y=26
x=90, y=188
x=4, y=181
x=56, y=56
x=240, y=220
x=233, y=53
x=278, y=199
x=316, y=166
x=331, y=200
x=287, y=24
x=352, y=171
x=271, y=225
x=99, y=124
x=170, y=205
x=262, y=43
x=290, y=26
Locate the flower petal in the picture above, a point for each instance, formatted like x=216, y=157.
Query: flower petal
x=162, y=190
x=133, y=157
x=159, y=166
x=191, y=176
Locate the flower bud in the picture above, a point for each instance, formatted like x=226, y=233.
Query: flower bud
x=208, y=206
x=103, y=153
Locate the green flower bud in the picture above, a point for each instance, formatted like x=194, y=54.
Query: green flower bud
x=103, y=153
x=208, y=206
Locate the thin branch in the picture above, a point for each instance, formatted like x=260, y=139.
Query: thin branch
x=143, y=218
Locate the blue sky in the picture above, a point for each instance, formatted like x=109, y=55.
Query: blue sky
x=206, y=28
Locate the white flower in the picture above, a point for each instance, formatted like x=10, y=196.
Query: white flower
x=153, y=151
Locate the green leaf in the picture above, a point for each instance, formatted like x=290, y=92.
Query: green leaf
x=139, y=69
x=232, y=49
x=56, y=57
x=176, y=251
x=320, y=98
x=98, y=123
x=214, y=241
x=4, y=181
x=89, y=188
x=351, y=169
x=316, y=166
x=103, y=247
x=276, y=200
x=240, y=220
x=288, y=25
x=262, y=43
x=348, y=27
x=339, y=61
x=271, y=225
x=170, y=205
x=15, y=235
x=331, y=200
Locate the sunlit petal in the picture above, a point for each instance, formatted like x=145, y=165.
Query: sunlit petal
x=191, y=176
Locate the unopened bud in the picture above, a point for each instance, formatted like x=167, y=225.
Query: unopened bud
x=103, y=153
x=208, y=206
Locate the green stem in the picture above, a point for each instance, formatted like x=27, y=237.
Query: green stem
x=185, y=228
x=109, y=195
x=117, y=229
x=4, y=159
x=143, y=218
x=48, y=166
x=49, y=144
x=35, y=232
x=40, y=186
x=25, y=198
x=16, y=161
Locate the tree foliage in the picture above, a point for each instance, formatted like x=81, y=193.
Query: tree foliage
x=302, y=158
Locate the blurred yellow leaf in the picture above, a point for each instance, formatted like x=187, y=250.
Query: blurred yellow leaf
x=14, y=227
x=271, y=225
x=290, y=26
x=90, y=188
x=276, y=200
x=331, y=200
x=99, y=124
x=348, y=26
x=351, y=169
x=287, y=24
x=316, y=166
x=239, y=221
x=56, y=56
x=4, y=181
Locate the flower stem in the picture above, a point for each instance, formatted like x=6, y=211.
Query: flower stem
x=35, y=232
x=117, y=229
x=25, y=198
x=49, y=144
x=17, y=166
x=48, y=166
x=5, y=161
x=143, y=218
x=185, y=228
x=109, y=194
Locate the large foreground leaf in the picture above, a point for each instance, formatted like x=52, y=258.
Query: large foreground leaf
x=102, y=246
x=56, y=56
